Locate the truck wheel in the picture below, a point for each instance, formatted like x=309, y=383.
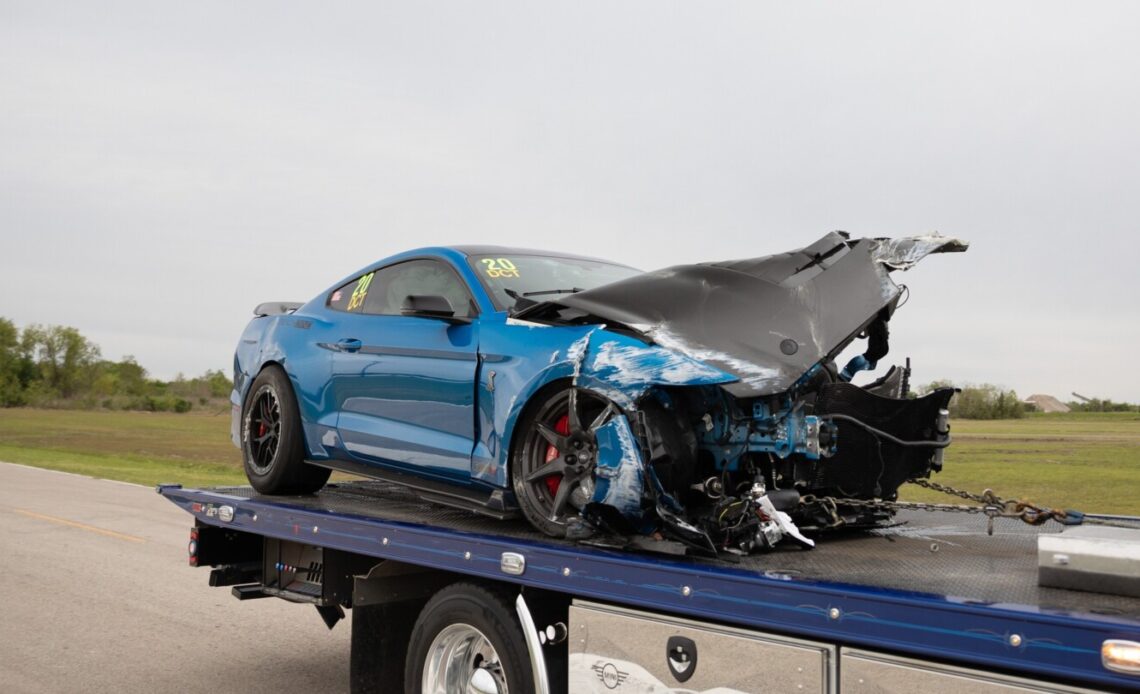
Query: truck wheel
x=554, y=457
x=468, y=639
x=273, y=448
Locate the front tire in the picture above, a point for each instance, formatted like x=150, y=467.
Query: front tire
x=272, y=444
x=468, y=639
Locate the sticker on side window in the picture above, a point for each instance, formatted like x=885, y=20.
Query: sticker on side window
x=499, y=267
x=360, y=292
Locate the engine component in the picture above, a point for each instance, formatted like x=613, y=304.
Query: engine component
x=870, y=465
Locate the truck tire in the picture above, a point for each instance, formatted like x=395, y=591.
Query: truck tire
x=468, y=638
x=272, y=443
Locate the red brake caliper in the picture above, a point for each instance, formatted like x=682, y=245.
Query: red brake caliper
x=562, y=426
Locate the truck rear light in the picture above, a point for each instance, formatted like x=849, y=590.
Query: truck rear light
x=192, y=548
x=1121, y=656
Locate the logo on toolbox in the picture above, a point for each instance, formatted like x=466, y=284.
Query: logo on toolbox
x=609, y=674
x=681, y=655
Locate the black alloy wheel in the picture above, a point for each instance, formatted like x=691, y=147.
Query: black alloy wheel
x=554, y=459
x=272, y=443
x=264, y=427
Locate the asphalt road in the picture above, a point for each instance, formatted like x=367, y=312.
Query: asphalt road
x=97, y=597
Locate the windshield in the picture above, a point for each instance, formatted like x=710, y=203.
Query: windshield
x=548, y=275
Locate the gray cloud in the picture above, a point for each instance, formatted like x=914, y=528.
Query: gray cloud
x=165, y=167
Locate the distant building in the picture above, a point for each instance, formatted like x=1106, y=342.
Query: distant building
x=1046, y=403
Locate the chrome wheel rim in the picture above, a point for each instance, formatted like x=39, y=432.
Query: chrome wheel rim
x=462, y=659
x=263, y=430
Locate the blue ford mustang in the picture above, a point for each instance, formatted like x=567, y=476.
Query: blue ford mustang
x=699, y=403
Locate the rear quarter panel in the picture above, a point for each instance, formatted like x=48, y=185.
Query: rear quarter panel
x=293, y=342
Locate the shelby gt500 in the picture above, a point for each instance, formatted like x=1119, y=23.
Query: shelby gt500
x=698, y=405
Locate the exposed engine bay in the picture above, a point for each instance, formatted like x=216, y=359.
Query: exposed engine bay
x=734, y=429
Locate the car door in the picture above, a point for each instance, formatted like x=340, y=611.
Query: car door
x=403, y=385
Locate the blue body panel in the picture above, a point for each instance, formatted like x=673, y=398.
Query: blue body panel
x=1054, y=645
x=406, y=397
x=435, y=398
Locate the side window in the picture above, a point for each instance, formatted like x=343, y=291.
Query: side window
x=382, y=292
x=351, y=296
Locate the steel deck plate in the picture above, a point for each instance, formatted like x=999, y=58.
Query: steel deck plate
x=934, y=585
x=946, y=554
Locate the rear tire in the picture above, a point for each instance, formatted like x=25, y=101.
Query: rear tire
x=272, y=443
x=468, y=638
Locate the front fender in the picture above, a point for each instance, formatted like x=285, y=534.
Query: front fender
x=526, y=358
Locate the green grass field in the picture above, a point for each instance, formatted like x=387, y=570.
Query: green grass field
x=1085, y=461
x=1090, y=462
x=141, y=447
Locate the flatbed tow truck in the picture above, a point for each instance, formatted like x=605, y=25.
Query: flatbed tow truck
x=446, y=600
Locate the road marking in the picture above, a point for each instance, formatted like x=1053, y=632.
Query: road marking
x=81, y=526
x=75, y=474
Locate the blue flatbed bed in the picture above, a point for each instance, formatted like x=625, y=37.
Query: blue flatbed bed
x=935, y=586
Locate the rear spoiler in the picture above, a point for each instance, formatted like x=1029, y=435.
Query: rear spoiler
x=276, y=308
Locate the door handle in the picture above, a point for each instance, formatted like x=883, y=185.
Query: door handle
x=349, y=345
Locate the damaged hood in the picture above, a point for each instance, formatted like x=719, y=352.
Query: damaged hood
x=765, y=320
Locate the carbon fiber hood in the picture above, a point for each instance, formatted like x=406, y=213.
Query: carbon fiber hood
x=764, y=320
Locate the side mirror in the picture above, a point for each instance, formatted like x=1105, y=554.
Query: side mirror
x=430, y=306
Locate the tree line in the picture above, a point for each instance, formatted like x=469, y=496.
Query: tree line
x=56, y=366
x=1099, y=405
x=985, y=401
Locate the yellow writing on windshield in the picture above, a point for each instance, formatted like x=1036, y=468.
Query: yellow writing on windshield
x=499, y=267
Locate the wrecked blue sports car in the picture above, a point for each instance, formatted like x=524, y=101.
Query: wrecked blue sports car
x=699, y=406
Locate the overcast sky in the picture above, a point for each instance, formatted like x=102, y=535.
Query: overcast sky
x=164, y=167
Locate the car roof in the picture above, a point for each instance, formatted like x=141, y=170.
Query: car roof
x=479, y=249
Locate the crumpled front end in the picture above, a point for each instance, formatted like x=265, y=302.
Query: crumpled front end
x=768, y=320
x=731, y=427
